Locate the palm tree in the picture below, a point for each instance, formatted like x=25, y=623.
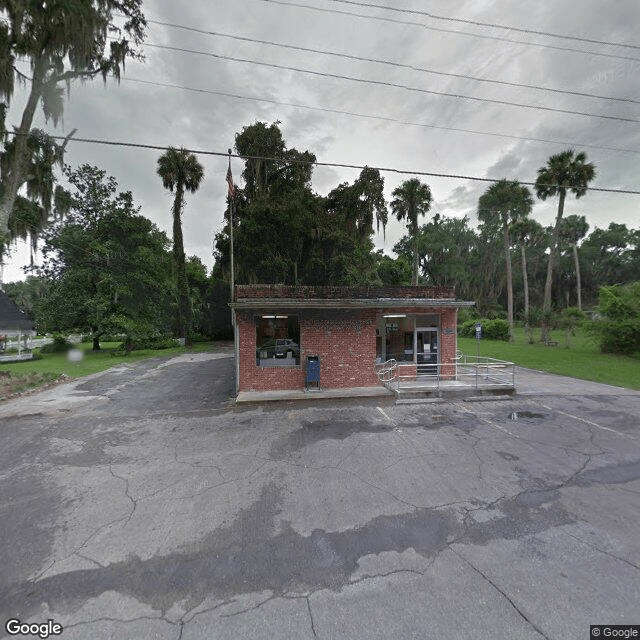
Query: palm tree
x=524, y=230
x=573, y=229
x=566, y=171
x=411, y=199
x=503, y=203
x=181, y=170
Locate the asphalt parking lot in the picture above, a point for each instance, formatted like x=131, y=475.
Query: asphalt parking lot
x=141, y=503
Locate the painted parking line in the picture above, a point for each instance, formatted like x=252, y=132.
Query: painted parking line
x=382, y=411
x=589, y=422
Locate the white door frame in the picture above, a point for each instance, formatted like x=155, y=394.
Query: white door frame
x=415, y=341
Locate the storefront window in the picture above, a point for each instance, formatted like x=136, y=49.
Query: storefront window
x=407, y=338
x=277, y=340
x=398, y=334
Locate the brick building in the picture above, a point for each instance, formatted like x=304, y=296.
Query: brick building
x=349, y=329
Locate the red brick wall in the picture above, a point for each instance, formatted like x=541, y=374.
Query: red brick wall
x=257, y=378
x=346, y=344
x=448, y=342
x=345, y=340
x=407, y=371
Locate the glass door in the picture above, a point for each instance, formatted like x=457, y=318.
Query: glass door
x=427, y=350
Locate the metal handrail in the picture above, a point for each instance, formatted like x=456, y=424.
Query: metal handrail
x=435, y=377
x=480, y=360
x=475, y=372
x=470, y=371
x=387, y=371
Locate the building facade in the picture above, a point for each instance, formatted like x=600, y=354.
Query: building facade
x=349, y=330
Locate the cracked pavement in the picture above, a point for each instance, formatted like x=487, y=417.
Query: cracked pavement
x=142, y=503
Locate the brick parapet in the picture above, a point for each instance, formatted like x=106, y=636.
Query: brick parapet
x=303, y=292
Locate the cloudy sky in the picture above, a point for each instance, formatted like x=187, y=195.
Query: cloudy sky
x=406, y=128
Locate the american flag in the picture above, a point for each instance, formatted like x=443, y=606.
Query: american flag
x=232, y=189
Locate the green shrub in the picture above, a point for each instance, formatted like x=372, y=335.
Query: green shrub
x=496, y=329
x=550, y=318
x=531, y=319
x=571, y=318
x=198, y=337
x=467, y=329
x=466, y=314
x=618, y=329
x=148, y=342
x=619, y=336
x=105, y=337
x=59, y=345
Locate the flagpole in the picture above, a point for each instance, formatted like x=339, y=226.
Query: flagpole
x=231, y=199
x=236, y=344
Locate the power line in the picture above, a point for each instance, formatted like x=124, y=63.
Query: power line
x=454, y=31
x=394, y=85
x=477, y=23
x=393, y=64
x=380, y=118
x=340, y=165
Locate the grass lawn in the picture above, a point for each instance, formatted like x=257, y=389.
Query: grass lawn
x=19, y=376
x=581, y=360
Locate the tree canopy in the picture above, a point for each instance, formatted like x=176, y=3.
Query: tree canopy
x=62, y=40
x=31, y=212
x=445, y=247
x=284, y=232
x=109, y=268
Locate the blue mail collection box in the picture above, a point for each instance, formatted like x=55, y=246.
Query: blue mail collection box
x=313, y=371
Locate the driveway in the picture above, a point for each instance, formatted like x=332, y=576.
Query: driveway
x=141, y=503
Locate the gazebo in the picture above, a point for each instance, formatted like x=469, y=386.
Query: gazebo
x=14, y=325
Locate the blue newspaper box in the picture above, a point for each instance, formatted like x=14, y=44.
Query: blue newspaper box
x=313, y=371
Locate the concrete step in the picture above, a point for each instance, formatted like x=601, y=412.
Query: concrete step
x=468, y=394
x=489, y=398
x=420, y=400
